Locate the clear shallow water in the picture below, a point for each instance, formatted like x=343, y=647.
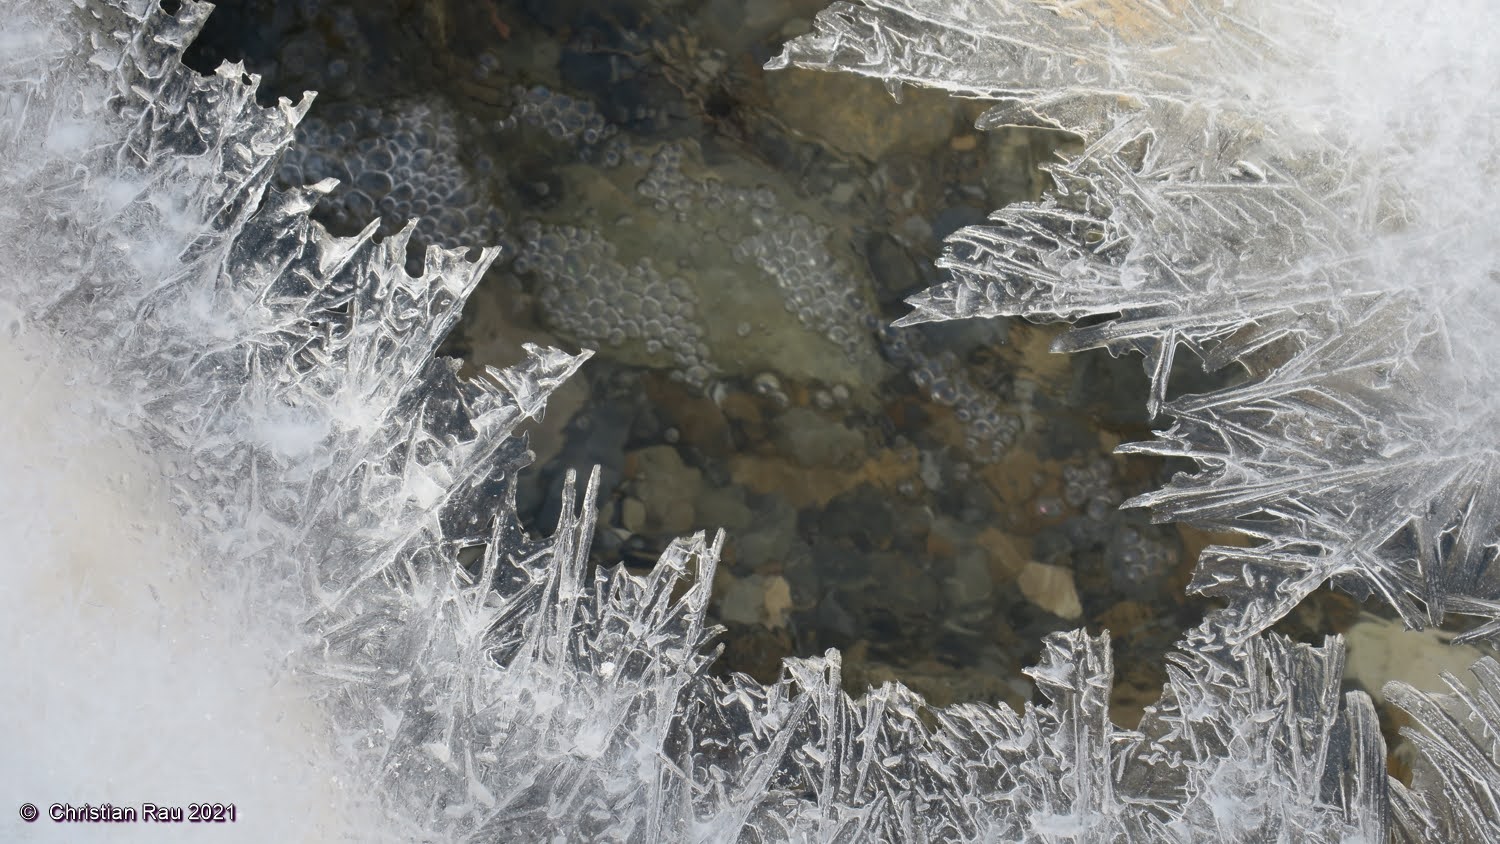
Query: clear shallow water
x=734, y=243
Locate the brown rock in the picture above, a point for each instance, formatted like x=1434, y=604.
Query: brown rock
x=757, y=651
x=1030, y=349
x=836, y=108
x=1125, y=619
x=805, y=487
x=1014, y=479
x=700, y=421
x=744, y=410
x=1193, y=543
x=939, y=546
x=1007, y=559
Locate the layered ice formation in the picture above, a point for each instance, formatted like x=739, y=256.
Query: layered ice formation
x=261, y=548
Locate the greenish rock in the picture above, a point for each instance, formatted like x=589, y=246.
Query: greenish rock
x=898, y=588
x=667, y=488
x=812, y=440
x=691, y=238
x=723, y=507
x=742, y=601
x=971, y=583
x=771, y=535
x=633, y=515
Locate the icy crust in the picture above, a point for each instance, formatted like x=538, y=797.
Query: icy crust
x=1454, y=779
x=1053, y=64
x=1263, y=188
x=327, y=466
x=352, y=499
x=1252, y=744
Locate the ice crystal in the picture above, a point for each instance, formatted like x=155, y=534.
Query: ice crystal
x=349, y=619
x=1263, y=184
x=1456, y=774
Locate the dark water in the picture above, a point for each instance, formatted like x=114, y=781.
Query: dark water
x=735, y=244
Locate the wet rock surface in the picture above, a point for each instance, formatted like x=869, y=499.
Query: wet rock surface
x=735, y=245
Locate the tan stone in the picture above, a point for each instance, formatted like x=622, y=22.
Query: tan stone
x=739, y=599
x=777, y=600
x=1108, y=441
x=1383, y=650
x=963, y=143
x=757, y=599
x=1194, y=540
x=1051, y=588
